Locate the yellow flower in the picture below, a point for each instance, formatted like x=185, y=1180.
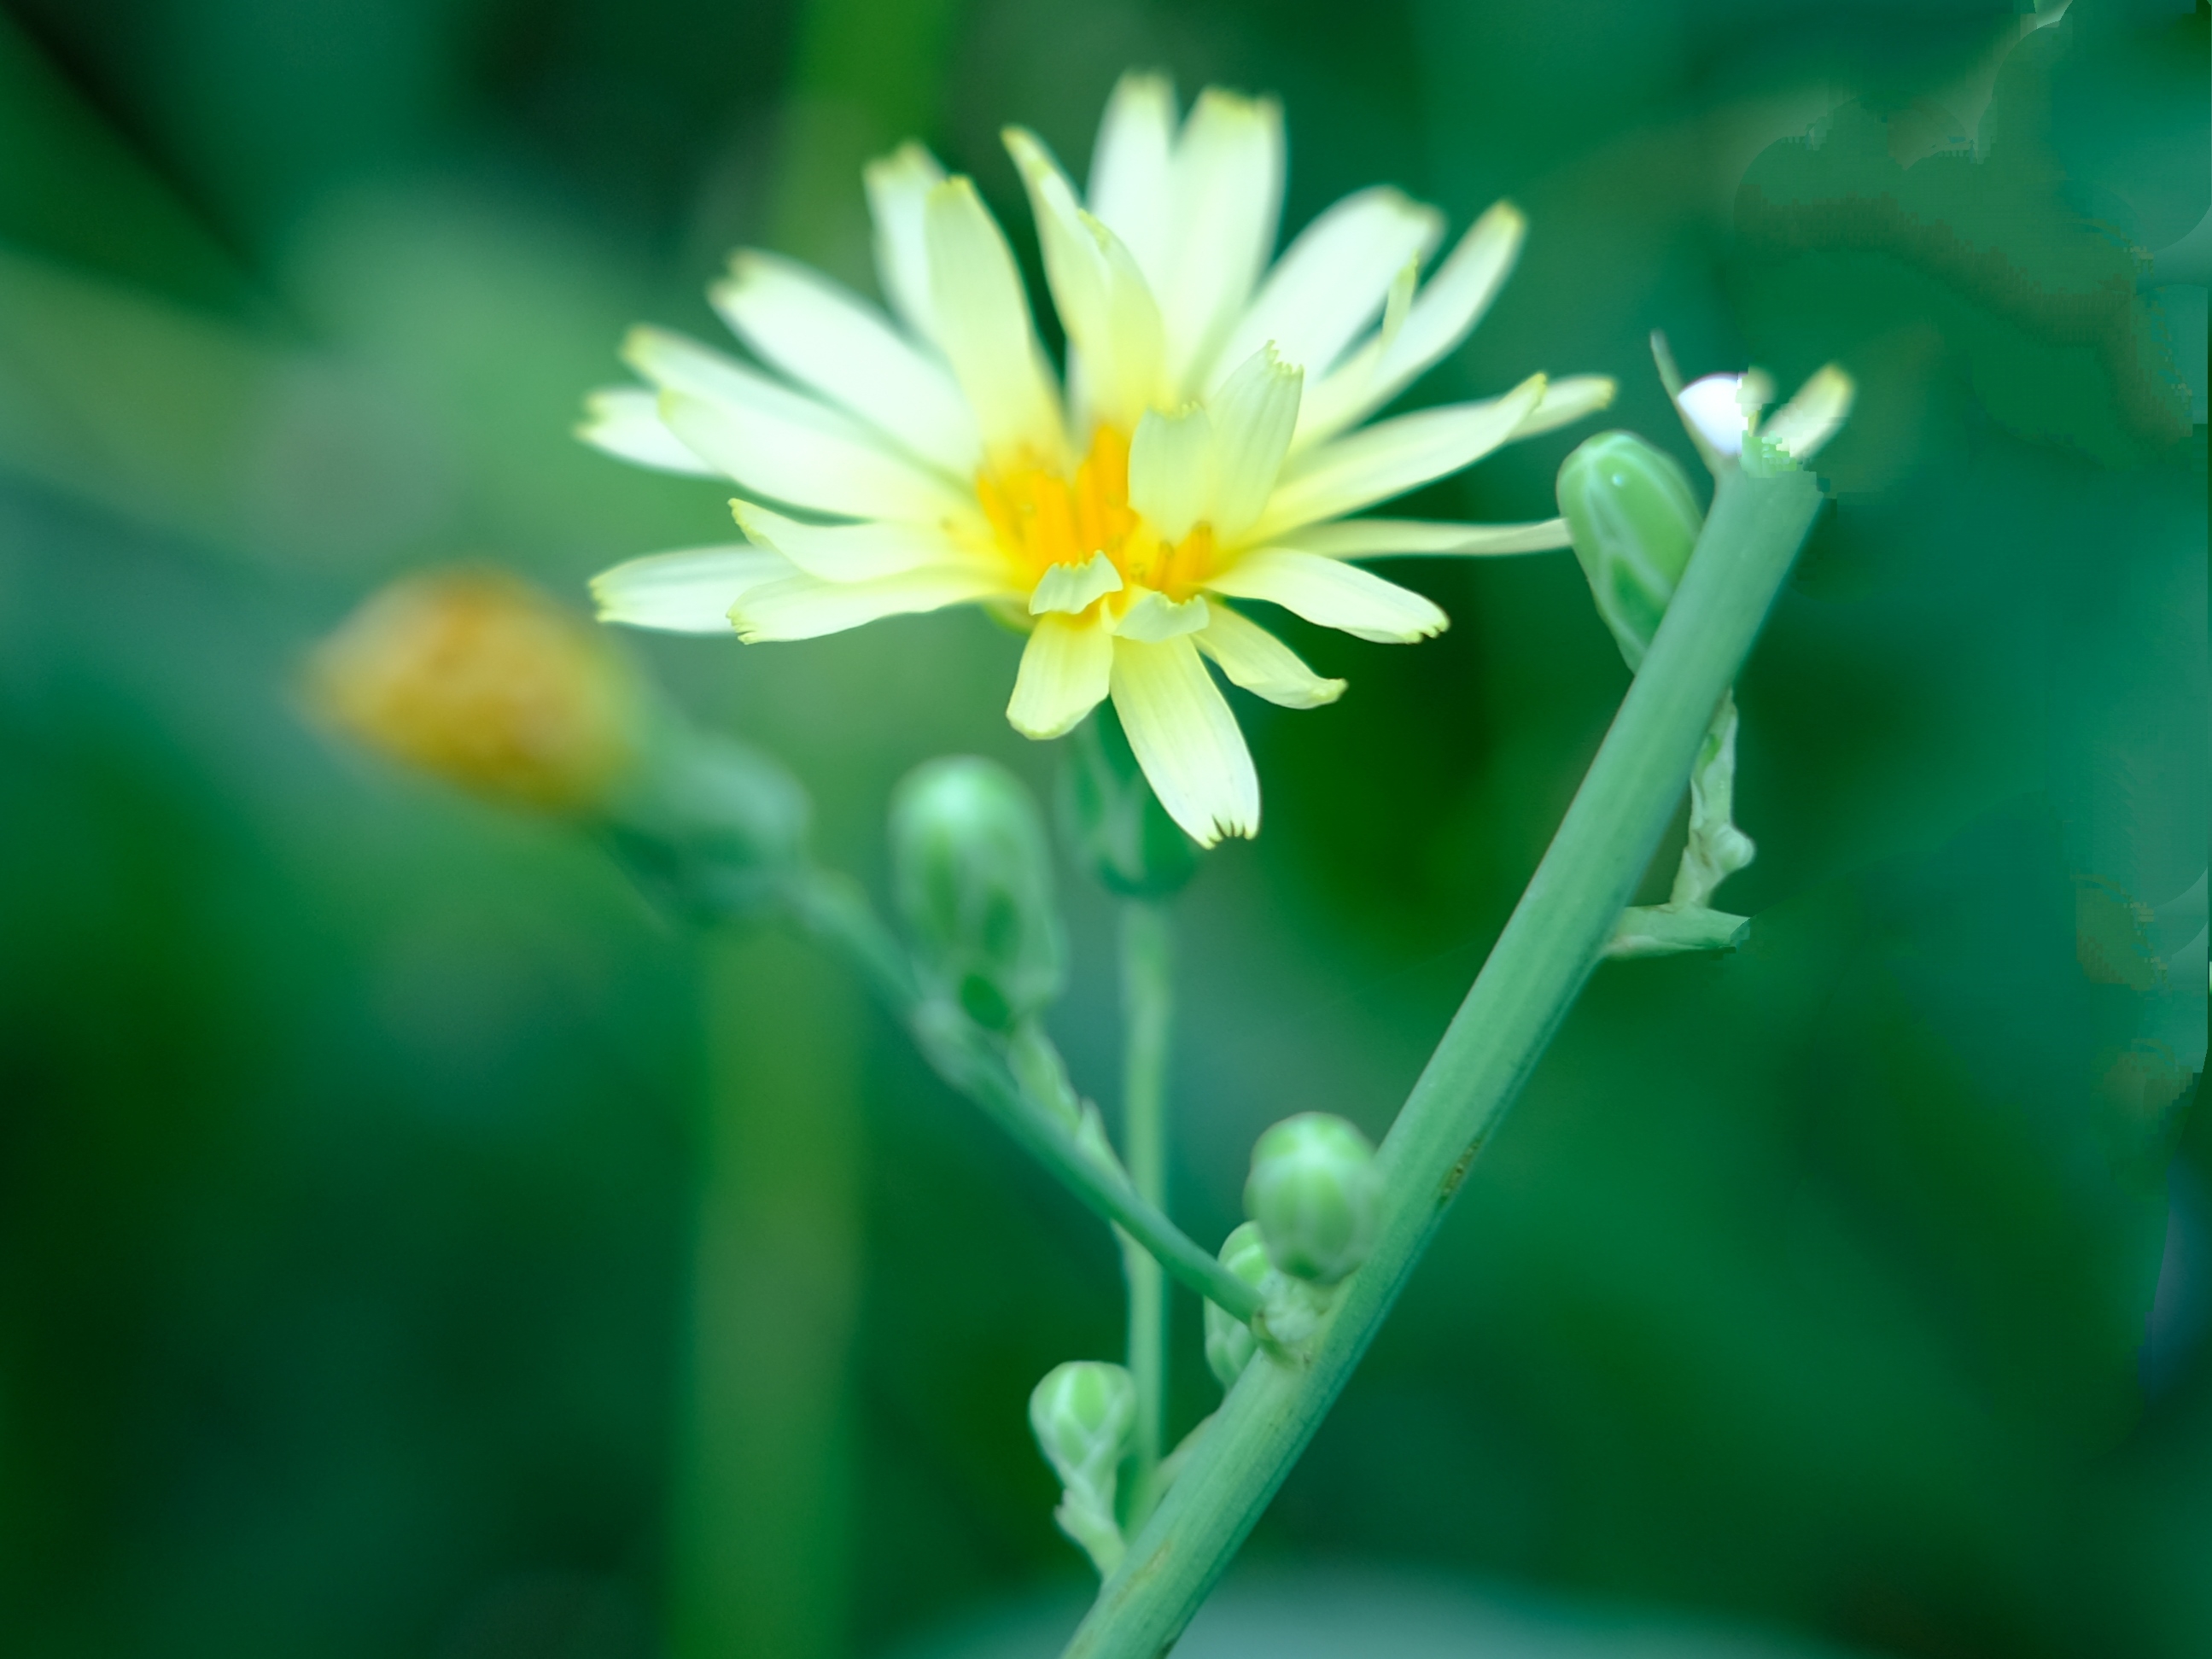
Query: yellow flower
x=1207, y=446
x=476, y=678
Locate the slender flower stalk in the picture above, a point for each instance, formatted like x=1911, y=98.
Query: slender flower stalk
x=1210, y=445
x=1148, y=1003
x=1760, y=517
x=832, y=910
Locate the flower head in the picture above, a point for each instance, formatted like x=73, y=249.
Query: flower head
x=1205, y=447
x=477, y=678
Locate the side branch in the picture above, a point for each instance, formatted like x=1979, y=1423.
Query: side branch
x=833, y=910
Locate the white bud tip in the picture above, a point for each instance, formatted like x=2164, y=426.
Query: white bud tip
x=1716, y=407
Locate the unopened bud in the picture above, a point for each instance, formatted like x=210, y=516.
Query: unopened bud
x=710, y=824
x=1229, y=1340
x=1316, y=1195
x=474, y=677
x=1084, y=1414
x=972, y=873
x=1115, y=826
x=1723, y=409
x=1634, y=520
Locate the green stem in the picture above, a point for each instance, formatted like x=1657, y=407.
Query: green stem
x=1537, y=968
x=832, y=910
x=1147, y=1007
x=764, y=1499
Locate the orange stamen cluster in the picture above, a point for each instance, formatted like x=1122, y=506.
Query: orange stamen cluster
x=1043, y=517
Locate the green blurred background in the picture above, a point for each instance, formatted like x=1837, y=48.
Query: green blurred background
x=353, y=1134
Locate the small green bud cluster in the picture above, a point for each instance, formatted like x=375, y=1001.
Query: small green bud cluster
x=1084, y=1414
x=1315, y=1196
x=1115, y=826
x=1229, y=1341
x=971, y=871
x=1634, y=520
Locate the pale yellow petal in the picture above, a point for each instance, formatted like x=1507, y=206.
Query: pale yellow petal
x=1567, y=399
x=1113, y=323
x=1065, y=670
x=1332, y=593
x=856, y=552
x=1253, y=415
x=1332, y=281
x=1254, y=658
x=1801, y=426
x=1228, y=173
x=780, y=443
x=1153, y=617
x=1171, y=470
x=1377, y=539
x=810, y=457
x=982, y=322
x=803, y=607
x=1388, y=458
x=1436, y=320
x=898, y=192
x=1131, y=169
x=1069, y=588
x=1186, y=739
x=625, y=422
x=845, y=349
x=688, y=591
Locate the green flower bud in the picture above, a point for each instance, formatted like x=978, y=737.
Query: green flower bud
x=1315, y=1195
x=1116, y=828
x=709, y=823
x=972, y=874
x=1629, y=510
x=1229, y=1340
x=1084, y=1414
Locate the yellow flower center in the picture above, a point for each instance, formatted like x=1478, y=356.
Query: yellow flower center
x=1043, y=517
